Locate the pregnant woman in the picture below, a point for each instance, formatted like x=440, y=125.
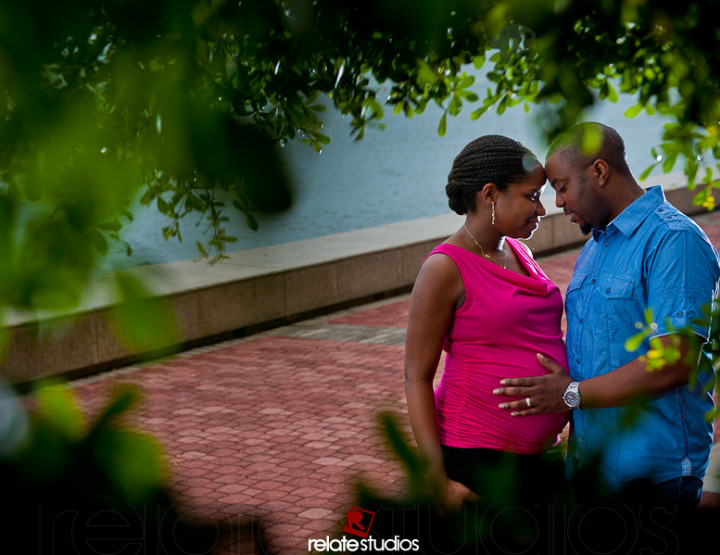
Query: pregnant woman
x=482, y=299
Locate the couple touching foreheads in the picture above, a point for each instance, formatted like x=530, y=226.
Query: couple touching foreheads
x=511, y=382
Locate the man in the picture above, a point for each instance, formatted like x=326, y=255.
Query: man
x=643, y=253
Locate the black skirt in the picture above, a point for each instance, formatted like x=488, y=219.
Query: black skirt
x=501, y=478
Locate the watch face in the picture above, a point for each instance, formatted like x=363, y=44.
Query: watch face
x=572, y=399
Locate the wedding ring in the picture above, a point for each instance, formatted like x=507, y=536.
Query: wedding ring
x=527, y=401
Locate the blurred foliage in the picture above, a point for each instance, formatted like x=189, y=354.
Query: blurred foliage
x=144, y=322
x=706, y=373
x=183, y=103
x=581, y=517
x=101, y=487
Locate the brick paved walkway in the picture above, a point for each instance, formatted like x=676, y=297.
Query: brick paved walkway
x=277, y=426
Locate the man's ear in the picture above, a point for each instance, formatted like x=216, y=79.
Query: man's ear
x=600, y=172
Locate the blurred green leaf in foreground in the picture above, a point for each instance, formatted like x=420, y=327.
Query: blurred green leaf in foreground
x=72, y=486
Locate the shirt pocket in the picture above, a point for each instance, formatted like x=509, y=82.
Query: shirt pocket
x=574, y=311
x=617, y=295
x=618, y=312
x=573, y=297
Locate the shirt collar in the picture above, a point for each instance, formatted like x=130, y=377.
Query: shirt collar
x=630, y=219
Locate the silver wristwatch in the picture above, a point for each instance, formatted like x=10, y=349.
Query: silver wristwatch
x=572, y=395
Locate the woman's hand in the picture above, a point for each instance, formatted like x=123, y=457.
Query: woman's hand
x=544, y=392
x=452, y=495
x=710, y=500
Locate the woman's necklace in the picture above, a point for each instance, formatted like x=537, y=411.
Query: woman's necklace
x=504, y=264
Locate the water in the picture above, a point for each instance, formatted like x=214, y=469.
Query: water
x=391, y=175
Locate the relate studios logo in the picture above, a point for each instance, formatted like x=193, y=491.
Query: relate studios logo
x=358, y=523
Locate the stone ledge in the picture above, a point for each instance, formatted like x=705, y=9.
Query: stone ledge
x=256, y=289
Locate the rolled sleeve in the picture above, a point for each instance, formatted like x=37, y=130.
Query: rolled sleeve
x=682, y=278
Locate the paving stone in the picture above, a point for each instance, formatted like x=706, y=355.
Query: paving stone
x=315, y=514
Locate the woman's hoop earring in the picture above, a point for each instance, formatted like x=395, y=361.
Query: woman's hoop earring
x=493, y=213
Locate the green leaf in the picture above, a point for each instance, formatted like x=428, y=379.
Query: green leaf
x=669, y=162
x=163, y=206
x=142, y=321
x=133, y=462
x=591, y=142
x=58, y=406
x=634, y=343
x=455, y=105
x=251, y=221
x=110, y=226
x=426, y=75
x=502, y=105
x=701, y=197
x=442, y=128
x=479, y=112
x=708, y=177
x=33, y=189
x=415, y=465
x=194, y=202
x=101, y=244
x=612, y=93
x=124, y=398
x=647, y=172
x=633, y=111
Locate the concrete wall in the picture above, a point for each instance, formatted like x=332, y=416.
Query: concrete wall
x=253, y=289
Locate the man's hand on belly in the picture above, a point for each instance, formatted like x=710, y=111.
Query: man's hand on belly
x=543, y=392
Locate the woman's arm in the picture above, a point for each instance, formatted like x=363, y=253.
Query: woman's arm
x=432, y=302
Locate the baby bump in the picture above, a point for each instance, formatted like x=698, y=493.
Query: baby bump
x=469, y=416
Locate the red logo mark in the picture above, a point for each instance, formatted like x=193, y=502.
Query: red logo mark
x=359, y=522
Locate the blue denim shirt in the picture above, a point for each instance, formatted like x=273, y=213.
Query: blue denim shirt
x=651, y=255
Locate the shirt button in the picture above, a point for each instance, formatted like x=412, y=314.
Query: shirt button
x=581, y=438
x=581, y=320
x=577, y=360
x=593, y=281
x=606, y=243
x=660, y=209
x=680, y=313
x=607, y=290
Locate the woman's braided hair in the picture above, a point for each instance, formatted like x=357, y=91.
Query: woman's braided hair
x=488, y=159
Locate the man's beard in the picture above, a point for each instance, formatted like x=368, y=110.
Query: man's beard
x=585, y=228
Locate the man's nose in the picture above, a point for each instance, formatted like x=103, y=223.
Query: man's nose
x=559, y=201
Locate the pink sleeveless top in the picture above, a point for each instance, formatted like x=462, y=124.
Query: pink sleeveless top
x=505, y=320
